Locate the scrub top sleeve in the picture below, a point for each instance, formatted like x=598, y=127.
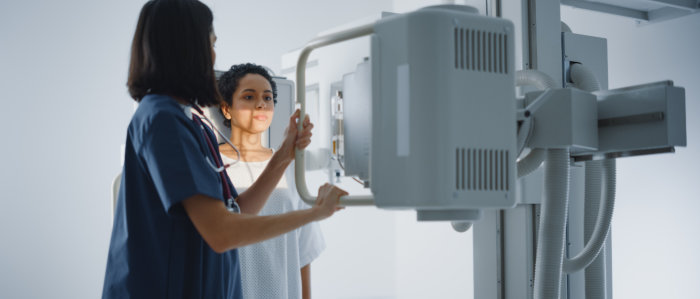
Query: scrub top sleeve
x=175, y=161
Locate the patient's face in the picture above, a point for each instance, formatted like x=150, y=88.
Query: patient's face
x=253, y=105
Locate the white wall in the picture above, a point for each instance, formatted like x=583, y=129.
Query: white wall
x=261, y=31
x=63, y=69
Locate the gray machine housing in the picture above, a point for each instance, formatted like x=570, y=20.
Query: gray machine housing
x=443, y=113
x=639, y=120
x=357, y=121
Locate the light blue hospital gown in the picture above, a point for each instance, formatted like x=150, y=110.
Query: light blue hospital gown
x=271, y=269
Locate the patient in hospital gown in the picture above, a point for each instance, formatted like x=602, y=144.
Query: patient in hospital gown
x=278, y=267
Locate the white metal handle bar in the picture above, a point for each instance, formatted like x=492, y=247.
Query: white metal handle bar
x=299, y=174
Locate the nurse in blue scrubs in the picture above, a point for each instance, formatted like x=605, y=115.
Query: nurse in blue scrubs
x=178, y=218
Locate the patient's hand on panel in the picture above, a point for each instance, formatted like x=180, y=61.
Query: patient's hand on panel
x=293, y=138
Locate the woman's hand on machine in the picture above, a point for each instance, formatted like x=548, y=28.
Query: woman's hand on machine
x=293, y=138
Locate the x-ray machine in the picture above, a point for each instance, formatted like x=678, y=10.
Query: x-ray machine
x=495, y=122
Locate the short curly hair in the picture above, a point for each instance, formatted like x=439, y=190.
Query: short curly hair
x=228, y=83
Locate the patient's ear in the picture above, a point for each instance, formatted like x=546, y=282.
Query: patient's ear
x=224, y=111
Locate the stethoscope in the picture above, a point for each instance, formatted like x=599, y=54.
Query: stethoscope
x=231, y=204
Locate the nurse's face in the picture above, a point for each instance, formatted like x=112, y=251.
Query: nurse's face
x=212, y=40
x=253, y=105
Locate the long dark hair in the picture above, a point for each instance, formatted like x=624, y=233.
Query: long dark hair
x=171, y=52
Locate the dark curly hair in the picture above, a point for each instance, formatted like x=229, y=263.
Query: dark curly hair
x=228, y=83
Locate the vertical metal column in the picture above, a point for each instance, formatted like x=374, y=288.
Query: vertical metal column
x=488, y=256
x=505, y=241
x=544, y=23
x=591, y=52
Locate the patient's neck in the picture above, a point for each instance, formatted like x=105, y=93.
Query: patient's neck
x=249, y=144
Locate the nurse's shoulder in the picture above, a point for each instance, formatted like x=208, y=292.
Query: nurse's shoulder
x=153, y=105
x=156, y=112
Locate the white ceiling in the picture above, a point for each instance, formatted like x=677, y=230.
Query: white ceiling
x=645, y=11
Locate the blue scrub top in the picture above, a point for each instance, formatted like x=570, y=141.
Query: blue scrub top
x=155, y=250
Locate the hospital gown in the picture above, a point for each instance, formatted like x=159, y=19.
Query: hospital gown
x=271, y=269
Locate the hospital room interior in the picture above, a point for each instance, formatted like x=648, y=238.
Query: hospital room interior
x=64, y=68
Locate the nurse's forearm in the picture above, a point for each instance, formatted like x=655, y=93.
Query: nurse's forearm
x=254, y=198
x=223, y=230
